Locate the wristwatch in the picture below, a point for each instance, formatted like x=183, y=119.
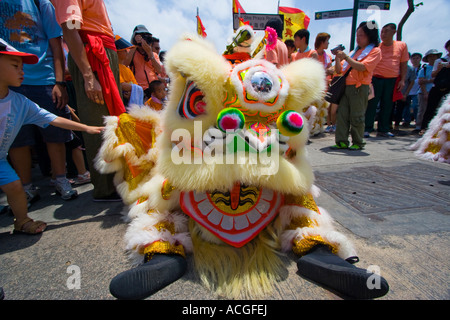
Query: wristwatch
x=61, y=83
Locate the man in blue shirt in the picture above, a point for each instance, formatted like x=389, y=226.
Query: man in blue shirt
x=30, y=26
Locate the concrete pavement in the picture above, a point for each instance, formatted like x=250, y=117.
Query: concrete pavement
x=392, y=205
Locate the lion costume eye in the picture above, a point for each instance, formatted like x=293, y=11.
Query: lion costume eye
x=191, y=104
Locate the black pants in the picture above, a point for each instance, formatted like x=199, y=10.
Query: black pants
x=434, y=101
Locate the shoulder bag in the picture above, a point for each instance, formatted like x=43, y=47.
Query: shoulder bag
x=337, y=88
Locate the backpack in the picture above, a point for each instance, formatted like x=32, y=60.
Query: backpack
x=442, y=80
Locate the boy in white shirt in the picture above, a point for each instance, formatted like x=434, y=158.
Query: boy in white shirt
x=15, y=111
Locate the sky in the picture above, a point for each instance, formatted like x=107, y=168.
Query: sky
x=168, y=20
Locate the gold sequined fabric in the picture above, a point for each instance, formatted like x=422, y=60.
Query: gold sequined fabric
x=162, y=247
x=141, y=135
x=169, y=226
x=303, y=246
x=306, y=201
x=433, y=148
x=302, y=222
x=166, y=190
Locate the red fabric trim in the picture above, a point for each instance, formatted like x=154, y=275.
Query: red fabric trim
x=95, y=44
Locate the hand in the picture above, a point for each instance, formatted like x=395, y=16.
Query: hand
x=401, y=85
x=341, y=55
x=126, y=94
x=94, y=130
x=93, y=89
x=60, y=96
x=147, y=47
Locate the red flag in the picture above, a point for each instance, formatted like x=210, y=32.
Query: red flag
x=200, y=28
x=237, y=6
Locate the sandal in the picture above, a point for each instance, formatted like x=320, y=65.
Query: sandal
x=29, y=226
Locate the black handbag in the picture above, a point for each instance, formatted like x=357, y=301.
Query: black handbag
x=336, y=89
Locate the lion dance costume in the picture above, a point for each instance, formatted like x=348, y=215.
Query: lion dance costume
x=435, y=143
x=221, y=174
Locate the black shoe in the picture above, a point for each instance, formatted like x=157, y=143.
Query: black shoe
x=385, y=135
x=324, y=267
x=2, y=294
x=148, y=278
x=115, y=197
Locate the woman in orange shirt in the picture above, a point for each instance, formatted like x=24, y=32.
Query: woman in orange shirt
x=352, y=107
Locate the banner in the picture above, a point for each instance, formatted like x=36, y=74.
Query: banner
x=294, y=20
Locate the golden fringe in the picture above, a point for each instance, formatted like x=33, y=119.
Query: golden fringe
x=248, y=272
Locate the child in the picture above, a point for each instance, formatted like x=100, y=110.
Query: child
x=15, y=111
x=158, y=94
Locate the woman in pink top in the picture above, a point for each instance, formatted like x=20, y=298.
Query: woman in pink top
x=352, y=107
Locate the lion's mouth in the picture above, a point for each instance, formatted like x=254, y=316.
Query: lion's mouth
x=235, y=216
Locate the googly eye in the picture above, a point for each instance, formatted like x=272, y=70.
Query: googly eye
x=230, y=119
x=191, y=104
x=290, y=123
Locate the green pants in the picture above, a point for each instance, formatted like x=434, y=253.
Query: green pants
x=350, y=115
x=384, y=91
x=92, y=114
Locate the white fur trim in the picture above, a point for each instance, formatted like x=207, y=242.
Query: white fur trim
x=142, y=231
x=324, y=228
x=306, y=79
x=437, y=134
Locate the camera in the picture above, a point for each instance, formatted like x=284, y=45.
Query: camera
x=338, y=48
x=147, y=37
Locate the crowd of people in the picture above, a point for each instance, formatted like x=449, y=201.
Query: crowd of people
x=70, y=80
x=65, y=76
x=383, y=91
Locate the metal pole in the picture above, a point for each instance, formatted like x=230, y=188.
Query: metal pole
x=354, y=21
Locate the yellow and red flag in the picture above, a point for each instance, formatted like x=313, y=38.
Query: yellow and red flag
x=237, y=6
x=294, y=20
x=200, y=28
